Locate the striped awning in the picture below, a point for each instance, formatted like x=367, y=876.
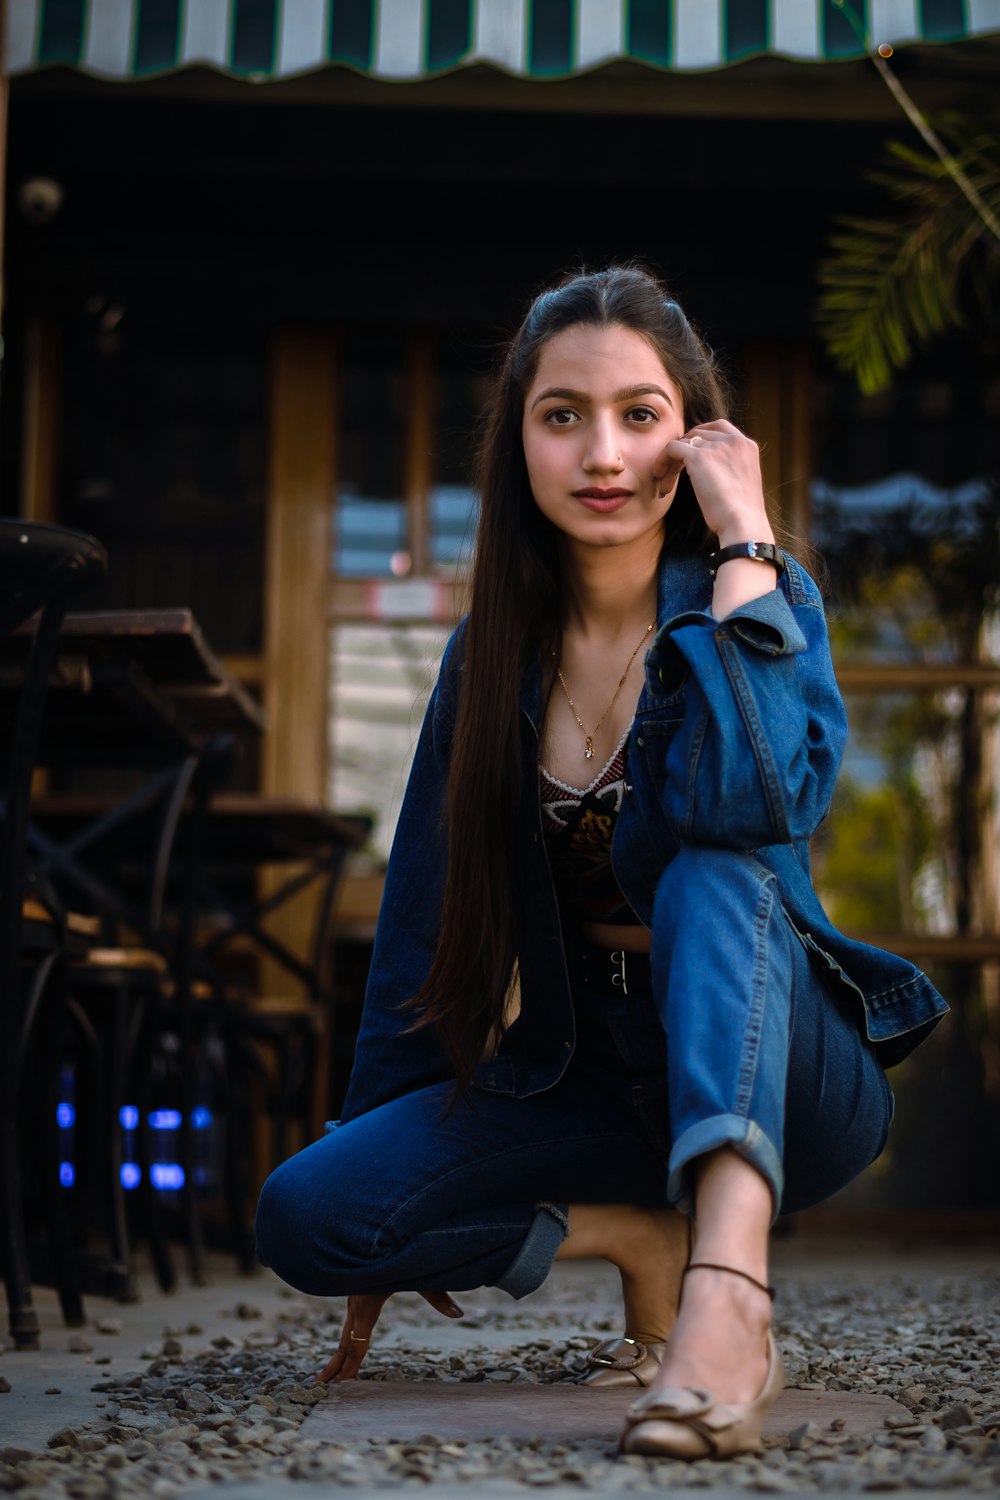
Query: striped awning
x=414, y=39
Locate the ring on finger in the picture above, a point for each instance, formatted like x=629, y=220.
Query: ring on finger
x=695, y=440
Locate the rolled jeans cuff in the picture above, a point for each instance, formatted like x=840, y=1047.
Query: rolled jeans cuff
x=708, y=1135
x=533, y=1261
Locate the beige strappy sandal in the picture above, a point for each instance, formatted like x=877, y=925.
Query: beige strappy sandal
x=623, y=1362
x=681, y=1422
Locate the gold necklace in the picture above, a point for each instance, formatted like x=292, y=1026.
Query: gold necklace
x=588, y=739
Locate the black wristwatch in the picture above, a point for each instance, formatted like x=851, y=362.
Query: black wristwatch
x=765, y=552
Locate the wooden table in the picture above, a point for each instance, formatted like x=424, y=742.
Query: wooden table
x=134, y=688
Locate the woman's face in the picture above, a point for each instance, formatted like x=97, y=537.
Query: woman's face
x=597, y=417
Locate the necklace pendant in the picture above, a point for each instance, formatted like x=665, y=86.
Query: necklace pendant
x=589, y=749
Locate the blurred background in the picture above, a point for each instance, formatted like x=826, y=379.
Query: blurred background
x=258, y=255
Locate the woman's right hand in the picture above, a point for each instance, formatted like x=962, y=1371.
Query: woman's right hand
x=363, y=1313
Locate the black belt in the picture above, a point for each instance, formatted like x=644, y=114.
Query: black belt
x=608, y=971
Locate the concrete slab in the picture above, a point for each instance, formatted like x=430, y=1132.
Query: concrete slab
x=404, y=1410
x=53, y=1387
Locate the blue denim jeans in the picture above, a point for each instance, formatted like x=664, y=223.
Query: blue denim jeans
x=737, y=1040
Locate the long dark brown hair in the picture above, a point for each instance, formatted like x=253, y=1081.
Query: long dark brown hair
x=515, y=615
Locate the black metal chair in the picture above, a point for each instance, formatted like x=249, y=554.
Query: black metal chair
x=42, y=568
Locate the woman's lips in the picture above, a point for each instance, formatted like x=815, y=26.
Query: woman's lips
x=603, y=500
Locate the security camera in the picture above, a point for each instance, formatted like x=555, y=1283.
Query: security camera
x=40, y=200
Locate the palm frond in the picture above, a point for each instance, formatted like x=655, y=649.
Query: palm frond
x=891, y=284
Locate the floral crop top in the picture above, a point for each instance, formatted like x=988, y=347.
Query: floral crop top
x=578, y=824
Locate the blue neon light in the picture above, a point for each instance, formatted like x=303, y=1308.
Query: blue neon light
x=129, y=1117
x=201, y=1118
x=165, y=1119
x=67, y=1173
x=65, y=1116
x=168, y=1176
x=130, y=1174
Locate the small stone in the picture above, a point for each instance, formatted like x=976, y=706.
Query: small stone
x=223, y=1342
x=104, y=1359
x=194, y=1330
x=959, y=1415
x=300, y=1395
x=65, y=1437
x=172, y=1346
x=53, y=1390
x=91, y=1442
x=137, y=1448
x=196, y=1401
x=934, y=1440
x=247, y=1311
x=5, y=1386
x=108, y=1325
x=838, y=1424
x=79, y=1345
x=804, y=1436
x=14, y=1455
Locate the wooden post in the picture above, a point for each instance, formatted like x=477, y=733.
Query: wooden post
x=302, y=472
x=40, y=435
x=419, y=439
x=778, y=386
x=301, y=478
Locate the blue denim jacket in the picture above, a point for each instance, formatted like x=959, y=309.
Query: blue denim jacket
x=736, y=741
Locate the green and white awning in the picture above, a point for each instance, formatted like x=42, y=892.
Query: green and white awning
x=415, y=39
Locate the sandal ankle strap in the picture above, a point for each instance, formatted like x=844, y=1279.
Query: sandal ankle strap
x=708, y=1265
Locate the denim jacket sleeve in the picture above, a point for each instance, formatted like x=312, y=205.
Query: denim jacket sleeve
x=756, y=756
x=391, y=1060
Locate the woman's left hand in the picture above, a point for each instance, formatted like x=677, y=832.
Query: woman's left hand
x=724, y=468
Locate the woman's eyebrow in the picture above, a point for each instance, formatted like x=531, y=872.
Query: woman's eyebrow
x=628, y=393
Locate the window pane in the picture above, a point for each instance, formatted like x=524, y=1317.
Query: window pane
x=911, y=841
x=906, y=516
x=163, y=460
x=370, y=523
x=381, y=680
x=461, y=386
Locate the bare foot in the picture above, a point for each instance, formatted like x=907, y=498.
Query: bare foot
x=719, y=1343
x=650, y=1247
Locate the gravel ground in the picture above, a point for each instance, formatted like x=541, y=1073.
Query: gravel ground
x=929, y=1336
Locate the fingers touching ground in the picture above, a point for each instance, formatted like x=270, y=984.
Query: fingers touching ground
x=359, y=1325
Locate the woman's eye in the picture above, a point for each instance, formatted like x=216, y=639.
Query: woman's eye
x=562, y=416
x=644, y=415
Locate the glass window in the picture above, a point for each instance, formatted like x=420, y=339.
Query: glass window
x=906, y=515
x=910, y=846
x=460, y=389
x=163, y=459
x=381, y=679
x=370, y=519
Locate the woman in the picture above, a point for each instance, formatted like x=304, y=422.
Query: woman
x=604, y=1008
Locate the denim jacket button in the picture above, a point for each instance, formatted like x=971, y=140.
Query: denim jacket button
x=628, y=788
x=640, y=740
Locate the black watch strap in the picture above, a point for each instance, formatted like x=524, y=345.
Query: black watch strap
x=765, y=552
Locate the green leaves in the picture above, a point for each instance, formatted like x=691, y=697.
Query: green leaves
x=928, y=264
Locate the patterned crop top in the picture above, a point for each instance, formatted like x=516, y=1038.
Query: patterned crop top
x=579, y=824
